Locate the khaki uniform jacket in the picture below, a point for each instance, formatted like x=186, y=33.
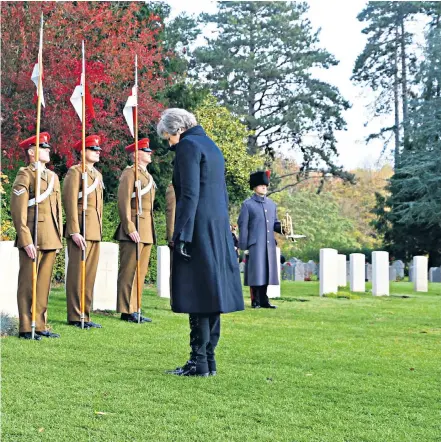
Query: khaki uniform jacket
x=127, y=207
x=50, y=215
x=73, y=205
x=170, y=210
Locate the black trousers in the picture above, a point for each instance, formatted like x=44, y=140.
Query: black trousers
x=259, y=295
x=204, y=336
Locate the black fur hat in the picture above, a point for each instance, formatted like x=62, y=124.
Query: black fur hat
x=259, y=177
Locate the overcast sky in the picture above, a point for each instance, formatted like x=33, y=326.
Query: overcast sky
x=341, y=35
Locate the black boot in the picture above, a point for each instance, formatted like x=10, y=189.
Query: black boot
x=264, y=301
x=254, y=295
x=189, y=369
x=214, y=321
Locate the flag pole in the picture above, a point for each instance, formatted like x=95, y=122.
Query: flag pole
x=84, y=186
x=137, y=195
x=37, y=181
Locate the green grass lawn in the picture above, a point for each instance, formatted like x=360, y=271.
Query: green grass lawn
x=342, y=368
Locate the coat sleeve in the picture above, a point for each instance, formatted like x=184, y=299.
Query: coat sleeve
x=170, y=209
x=277, y=223
x=71, y=188
x=125, y=189
x=243, y=226
x=19, y=208
x=188, y=160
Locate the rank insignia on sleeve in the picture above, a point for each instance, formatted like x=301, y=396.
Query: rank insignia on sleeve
x=19, y=192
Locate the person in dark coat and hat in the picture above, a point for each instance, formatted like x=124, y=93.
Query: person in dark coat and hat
x=257, y=223
x=205, y=275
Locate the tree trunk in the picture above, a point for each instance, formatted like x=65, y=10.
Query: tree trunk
x=404, y=85
x=396, y=102
x=252, y=139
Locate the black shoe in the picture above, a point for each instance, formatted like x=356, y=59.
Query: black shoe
x=28, y=335
x=268, y=306
x=78, y=324
x=91, y=324
x=47, y=334
x=189, y=369
x=133, y=317
x=143, y=318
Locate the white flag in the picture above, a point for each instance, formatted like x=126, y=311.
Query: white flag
x=132, y=102
x=34, y=78
x=77, y=100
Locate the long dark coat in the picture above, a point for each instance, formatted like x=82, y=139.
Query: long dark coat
x=257, y=224
x=210, y=281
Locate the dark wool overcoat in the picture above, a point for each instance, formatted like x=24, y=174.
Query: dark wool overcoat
x=257, y=223
x=210, y=281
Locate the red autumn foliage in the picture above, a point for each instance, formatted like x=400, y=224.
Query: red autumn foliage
x=113, y=34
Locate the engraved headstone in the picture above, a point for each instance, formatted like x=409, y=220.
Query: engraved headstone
x=435, y=274
x=380, y=273
x=9, y=267
x=299, y=271
x=105, y=288
x=163, y=272
x=399, y=267
x=420, y=268
x=274, y=290
x=357, y=281
x=287, y=271
x=392, y=273
x=328, y=271
x=368, y=272
x=341, y=277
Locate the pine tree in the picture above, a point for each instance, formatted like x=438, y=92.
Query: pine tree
x=260, y=64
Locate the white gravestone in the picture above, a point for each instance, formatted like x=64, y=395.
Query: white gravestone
x=328, y=271
x=274, y=290
x=357, y=282
x=435, y=274
x=420, y=269
x=368, y=272
x=106, y=282
x=9, y=266
x=341, y=270
x=163, y=271
x=392, y=273
x=299, y=271
x=380, y=273
x=399, y=266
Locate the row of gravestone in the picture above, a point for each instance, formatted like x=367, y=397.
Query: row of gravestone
x=105, y=289
x=296, y=270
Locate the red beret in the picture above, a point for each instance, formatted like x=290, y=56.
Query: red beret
x=142, y=144
x=91, y=141
x=44, y=140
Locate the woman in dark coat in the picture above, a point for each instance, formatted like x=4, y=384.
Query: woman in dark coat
x=205, y=274
x=257, y=223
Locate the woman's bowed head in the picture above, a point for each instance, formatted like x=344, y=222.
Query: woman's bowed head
x=173, y=123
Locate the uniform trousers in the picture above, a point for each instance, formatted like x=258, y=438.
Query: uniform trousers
x=73, y=278
x=127, y=301
x=45, y=265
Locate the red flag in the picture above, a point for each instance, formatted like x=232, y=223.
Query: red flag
x=89, y=103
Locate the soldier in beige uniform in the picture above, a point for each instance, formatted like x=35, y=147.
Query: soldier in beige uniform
x=128, y=236
x=50, y=220
x=73, y=206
